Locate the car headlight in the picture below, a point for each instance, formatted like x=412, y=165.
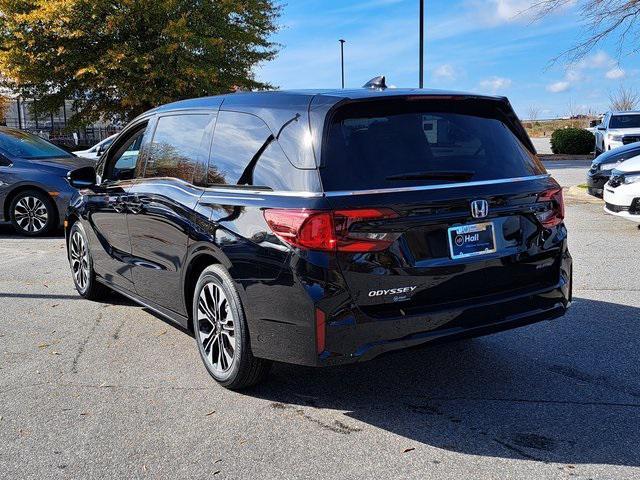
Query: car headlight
x=615, y=138
x=632, y=178
x=608, y=166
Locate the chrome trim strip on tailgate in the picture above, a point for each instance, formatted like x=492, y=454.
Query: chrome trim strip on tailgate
x=339, y=193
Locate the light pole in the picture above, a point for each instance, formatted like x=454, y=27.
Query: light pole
x=342, y=59
x=421, y=43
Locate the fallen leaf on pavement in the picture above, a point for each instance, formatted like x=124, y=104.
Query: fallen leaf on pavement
x=210, y=413
x=408, y=450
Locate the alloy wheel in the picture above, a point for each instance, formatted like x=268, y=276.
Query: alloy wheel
x=31, y=214
x=216, y=328
x=79, y=256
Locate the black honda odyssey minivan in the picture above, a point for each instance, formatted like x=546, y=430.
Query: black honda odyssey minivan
x=323, y=227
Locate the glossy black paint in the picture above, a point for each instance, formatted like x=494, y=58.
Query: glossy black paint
x=151, y=237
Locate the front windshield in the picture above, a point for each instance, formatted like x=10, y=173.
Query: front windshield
x=16, y=143
x=625, y=121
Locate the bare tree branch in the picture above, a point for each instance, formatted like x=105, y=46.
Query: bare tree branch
x=624, y=99
x=601, y=19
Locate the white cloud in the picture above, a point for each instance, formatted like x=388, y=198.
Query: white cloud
x=511, y=10
x=598, y=60
x=446, y=71
x=615, y=74
x=579, y=71
x=559, y=87
x=573, y=76
x=495, y=84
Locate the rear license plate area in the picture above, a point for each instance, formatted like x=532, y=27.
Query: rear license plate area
x=472, y=240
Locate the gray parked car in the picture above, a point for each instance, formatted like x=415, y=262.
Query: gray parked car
x=34, y=192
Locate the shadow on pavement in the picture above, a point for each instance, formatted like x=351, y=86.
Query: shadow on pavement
x=527, y=394
x=7, y=232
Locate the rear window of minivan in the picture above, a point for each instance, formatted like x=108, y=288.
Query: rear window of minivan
x=381, y=144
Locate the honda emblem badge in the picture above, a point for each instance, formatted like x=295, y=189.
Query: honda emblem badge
x=479, y=208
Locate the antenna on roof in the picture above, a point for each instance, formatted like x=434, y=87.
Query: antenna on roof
x=378, y=83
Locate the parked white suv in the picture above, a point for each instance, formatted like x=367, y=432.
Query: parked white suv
x=617, y=129
x=622, y=191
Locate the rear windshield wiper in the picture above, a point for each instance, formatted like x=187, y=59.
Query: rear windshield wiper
x=451, y=175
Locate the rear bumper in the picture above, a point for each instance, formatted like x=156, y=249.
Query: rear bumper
x=352, y=336
x=367, y=340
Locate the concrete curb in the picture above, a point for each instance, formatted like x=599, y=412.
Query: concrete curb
x=564, y=158
x=576, y=194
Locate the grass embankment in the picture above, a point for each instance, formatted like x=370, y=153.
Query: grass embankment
x=544, y=128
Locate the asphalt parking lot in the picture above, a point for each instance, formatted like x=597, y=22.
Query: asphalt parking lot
x=93, y=390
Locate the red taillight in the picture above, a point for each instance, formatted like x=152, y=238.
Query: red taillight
x=554, y=215
x=329, y=230
x=303, y=228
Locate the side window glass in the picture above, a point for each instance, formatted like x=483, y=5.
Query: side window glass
x=122, y=165
x=177, y=147
x=270, y=170
x=237, y=139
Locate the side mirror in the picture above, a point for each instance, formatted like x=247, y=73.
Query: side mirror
x=84, y=177
x=100, y=151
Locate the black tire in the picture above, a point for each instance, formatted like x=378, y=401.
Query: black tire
x=244, y=370
x=86, y=285
x=27, y=211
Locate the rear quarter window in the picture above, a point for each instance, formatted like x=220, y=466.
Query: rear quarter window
x=387, y=145
x=246, y=153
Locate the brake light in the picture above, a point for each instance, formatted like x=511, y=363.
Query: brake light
x=554, y=215
x=330, y=230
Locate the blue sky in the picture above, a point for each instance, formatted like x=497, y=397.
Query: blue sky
x=485, y=46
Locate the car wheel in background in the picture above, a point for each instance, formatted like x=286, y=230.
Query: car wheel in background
x=221, y=332
x=84, y=278
x=33, y=213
